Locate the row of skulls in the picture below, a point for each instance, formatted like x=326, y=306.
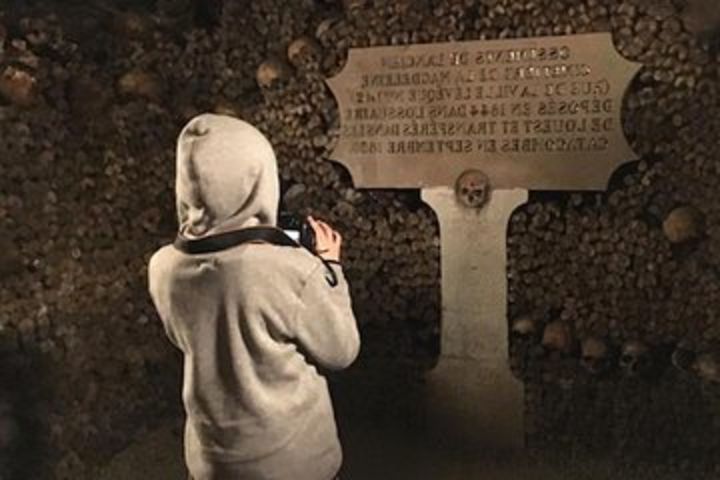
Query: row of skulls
x=634, y=358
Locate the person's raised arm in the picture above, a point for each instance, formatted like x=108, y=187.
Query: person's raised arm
x=325, y=326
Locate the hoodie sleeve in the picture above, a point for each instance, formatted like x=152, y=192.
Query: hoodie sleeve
x=325, y=327
x=157, y=278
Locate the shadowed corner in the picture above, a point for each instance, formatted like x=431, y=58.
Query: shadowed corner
x=23, y=451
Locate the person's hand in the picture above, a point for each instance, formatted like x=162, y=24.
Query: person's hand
x=328, y=242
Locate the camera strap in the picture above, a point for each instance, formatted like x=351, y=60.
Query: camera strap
x=225, y=240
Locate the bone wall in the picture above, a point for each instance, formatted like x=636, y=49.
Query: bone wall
x=605, y=289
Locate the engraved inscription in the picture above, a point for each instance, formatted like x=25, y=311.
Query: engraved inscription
x=521, y=110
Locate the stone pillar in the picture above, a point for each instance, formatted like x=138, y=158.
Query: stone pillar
x=473, y=398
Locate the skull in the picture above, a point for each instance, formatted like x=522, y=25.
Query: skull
x=270, y=72
x=325, y=27
x=351, y=5
x=683, y=224
x=18, y=86
x=594, y=355
x=303, y=49
x=473, y=189
x=635, y=358
x=294, y=196
x=707, y=367
x=683, y=358
x=523, y=326
x=556, y=337
x=141, y=84
x=524, y=336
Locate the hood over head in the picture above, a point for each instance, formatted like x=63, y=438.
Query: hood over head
x=226, y=177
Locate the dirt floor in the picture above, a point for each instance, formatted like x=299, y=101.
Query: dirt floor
x=370, y=454
x=382, y=429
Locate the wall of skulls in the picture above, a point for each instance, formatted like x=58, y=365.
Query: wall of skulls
x=614, y=298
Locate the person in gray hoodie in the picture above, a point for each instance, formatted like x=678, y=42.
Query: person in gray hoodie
x=257, y=323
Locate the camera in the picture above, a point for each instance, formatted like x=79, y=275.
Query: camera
x=297, y=228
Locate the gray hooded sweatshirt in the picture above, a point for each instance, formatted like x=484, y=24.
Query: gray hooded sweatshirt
x=254, y=322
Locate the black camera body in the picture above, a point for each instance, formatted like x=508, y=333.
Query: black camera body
x=298, y=228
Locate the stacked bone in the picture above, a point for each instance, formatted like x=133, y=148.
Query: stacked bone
x=88, y=130
x=600, y=285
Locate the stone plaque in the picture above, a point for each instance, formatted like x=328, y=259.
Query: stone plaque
x=475, y=125
x=535, y=113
